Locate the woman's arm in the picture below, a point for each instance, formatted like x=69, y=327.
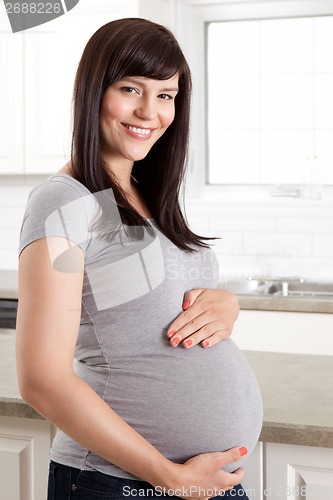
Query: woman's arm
x=209, y=316
x=47, y=328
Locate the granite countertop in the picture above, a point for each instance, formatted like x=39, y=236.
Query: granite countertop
x=11, y=403
x=9, y=285
x=288, y=304
x=298, y=404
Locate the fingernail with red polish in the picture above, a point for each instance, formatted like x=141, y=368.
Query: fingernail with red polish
x=243, y=451
x=171, y=333
x=186, y=304
x=188, y=343
x=205, y=343
x=175, y=341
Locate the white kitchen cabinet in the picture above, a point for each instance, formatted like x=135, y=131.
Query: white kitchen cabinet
x=298, y=472
x=291, y=332
x=37, y=80
x=254, y=474
x=11, y=98
x=274, y=471
x=24, y=448
x=51, y=56
x=38, y=69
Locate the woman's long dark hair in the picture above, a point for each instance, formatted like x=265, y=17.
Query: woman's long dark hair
x=135, y=47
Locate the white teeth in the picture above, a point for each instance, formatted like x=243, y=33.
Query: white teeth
x=141, y=131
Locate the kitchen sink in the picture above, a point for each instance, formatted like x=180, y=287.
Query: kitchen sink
x=281, y=287
x=308, y=289
x=306, y=294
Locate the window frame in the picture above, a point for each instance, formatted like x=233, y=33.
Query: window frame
x=191, y=21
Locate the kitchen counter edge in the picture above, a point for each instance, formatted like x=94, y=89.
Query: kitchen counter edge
x=275, y=430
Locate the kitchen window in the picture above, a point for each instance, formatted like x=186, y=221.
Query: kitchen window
x=270, y=101
x=262, y=102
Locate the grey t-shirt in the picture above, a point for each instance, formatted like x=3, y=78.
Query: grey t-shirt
x=183, y=401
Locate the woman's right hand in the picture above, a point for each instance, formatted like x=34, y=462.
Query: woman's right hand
x=202, y=477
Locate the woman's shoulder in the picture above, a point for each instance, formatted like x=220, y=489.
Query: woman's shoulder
x=56, y=207
x=57, y=187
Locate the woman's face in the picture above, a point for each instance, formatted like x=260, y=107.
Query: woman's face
x=135, y=112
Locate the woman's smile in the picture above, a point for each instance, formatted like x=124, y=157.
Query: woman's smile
x=139, y=132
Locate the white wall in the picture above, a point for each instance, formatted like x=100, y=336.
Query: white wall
x=293, y=237
x=267, y=236
x=272, y=237
x=13, y=197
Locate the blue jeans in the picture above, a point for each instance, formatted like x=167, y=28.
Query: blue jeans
x=68, y=483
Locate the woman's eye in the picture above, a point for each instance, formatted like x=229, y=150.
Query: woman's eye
x=130, y=90
x=166, y=97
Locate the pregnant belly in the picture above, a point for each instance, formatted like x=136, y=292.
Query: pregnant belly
x=189, y=402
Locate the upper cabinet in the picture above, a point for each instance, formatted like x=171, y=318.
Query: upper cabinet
x=37, y=77
x=11, y=98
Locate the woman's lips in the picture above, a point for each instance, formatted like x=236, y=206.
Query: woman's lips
x=138, y=132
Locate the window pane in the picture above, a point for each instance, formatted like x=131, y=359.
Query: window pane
x=285, y=153
x=240, y=151
x=324, y=142
x=270, y=100
x=324, y=101
x=323, y=44
x=286, y=102
x=286, y=46
x=236, y=101
x=243, y=38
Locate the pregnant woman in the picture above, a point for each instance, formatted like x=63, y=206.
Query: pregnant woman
x=160, y=401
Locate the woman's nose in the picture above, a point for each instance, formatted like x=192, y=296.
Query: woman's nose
x=146, y=109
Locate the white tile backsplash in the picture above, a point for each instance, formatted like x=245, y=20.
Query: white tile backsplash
x=305, y=224
x=228, y=242
x=10, y=216
x=278, y=243
x=323, y=245
x=14, y=192
x=245, y=223
x=8, y=259
x=9, y=237
x=284, y=237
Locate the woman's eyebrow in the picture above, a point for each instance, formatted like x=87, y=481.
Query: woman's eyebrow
x=170, y=89
x=142, y=84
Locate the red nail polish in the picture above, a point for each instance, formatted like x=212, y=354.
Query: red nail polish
x=205, y=343
x=188, y=343
x=171, y=333
x=243, y=451
x=175, y=341
x=186, y=304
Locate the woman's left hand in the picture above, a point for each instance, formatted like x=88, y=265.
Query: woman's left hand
x=209, y=316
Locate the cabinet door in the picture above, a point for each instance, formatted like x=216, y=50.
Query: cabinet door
x=24, y=449
x=253, y=479
x=298, y=472
x=52, y=52
x=291, y=332
x=11, y=95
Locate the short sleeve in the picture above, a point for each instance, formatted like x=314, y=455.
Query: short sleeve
x=56, y=208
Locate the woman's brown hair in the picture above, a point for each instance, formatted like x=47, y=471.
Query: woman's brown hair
x=135, y=47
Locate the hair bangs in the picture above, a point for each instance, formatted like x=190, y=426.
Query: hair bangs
x=157, y=62
x=149, y=52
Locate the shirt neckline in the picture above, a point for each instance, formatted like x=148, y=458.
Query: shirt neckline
x=62, y=174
